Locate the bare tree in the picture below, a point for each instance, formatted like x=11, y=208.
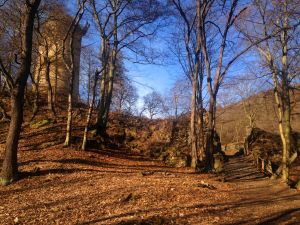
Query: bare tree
x=69, y=41
x=91, y=107
x=153, y=104
x=17, y=84
x=215, y=64
x=179, y=97
x=278, y=20
x=90, y=63
x=47, y=61
x=121, y=24
x=194, y=71
x=124, y=95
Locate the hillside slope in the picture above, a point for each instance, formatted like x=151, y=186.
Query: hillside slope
x=232, y=120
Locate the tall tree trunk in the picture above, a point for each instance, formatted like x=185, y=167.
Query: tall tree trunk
x=69, y=120
x=101, y=110
x=36, y=83
x=200, y=110
x=89, y=79
x=109, y=60
x=201, y=138
x=9, y=170
x=193, y=135
x=210, y=134
x=285, y=98
x=89, y=116
x=71, y=67
x=109, y=94
x=56, y=76
x=103, y=87
x=287, y=147
x=70, y=94
x=283, y=122
x=49, y=87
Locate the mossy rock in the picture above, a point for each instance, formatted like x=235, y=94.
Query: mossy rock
x=39, y=124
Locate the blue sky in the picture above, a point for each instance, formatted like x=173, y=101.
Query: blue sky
x=160, y=78
x=146, y=77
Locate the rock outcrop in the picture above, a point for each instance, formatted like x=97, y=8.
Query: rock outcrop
x=266, y=149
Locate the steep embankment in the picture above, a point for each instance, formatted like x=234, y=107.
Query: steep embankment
x=232, y=120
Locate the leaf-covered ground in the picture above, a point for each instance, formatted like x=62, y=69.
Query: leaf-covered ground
x=68, y=186
x=63, y=186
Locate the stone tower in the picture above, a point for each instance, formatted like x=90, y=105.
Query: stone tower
x=51, y=68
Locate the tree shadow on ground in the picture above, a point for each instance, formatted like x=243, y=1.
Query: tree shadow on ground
x=258, y=199
x=100, y=167
x=291, y=216
x=242, y=169
x=155, y=220
x=287, y=217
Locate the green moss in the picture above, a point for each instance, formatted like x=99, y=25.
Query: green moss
x=5, y=182
x=39, y=124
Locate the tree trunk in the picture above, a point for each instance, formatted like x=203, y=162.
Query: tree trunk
x=71, y=68
x=56, y=76
x=103, y=87
x=89, y=116
x=70, y=97
x=287, y=147
x=107, y=90
x=193, y=135
x=285, y=100
x=210, y=134
x=69, y=121
x=111, y=69
x=35, y=83
x=49, y=87
x=200, y=110
x=35, y=100
x=201, y=138
x=9, y=170
x=108, y=96
x=100, y=117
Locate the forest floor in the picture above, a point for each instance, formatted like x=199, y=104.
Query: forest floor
x=67, y=186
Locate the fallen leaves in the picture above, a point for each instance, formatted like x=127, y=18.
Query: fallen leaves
x=110, y=186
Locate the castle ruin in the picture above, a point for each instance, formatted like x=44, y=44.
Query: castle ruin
x=51, y=73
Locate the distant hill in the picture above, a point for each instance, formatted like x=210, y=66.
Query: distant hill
x=232, y=120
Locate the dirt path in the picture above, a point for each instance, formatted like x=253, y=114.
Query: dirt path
x=259, y=200
x=62, y=186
